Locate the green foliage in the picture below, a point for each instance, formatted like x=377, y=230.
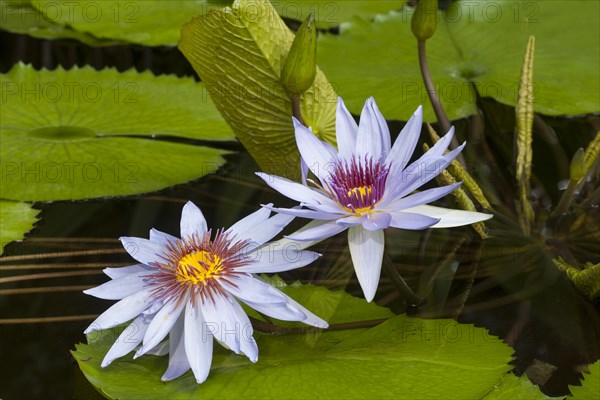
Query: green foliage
x=84, y=133
x=401, y=358
x=476, y=44
x=16, y=219
x=239, y=55
x=146, y=22
x=512, y=387
x=590, y=386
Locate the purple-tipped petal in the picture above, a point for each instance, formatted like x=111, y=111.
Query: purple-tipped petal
x=192, y=221
x=119, y=272
x=318, y=232
x=247, y=288
x=346, y=130
x=376, y=221
x=269, y=260
x=198, y=340
x=246, y=224
x=119, y=288
x=449, y=218
x=405, y=144
x=120, y=312
x=316, y=155
x=161, y=238
x=127, y=340
x=382, y=128
x=369, y=140
x=366, y=249
x=424, y=197
x=412, y=221
x=143, y=250
x=296, y=191
x=226, y=320
x=162, y=324
x=266, y=230
x=178, y=362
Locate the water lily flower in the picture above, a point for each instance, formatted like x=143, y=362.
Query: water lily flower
x=189, y=289
x=367, y=185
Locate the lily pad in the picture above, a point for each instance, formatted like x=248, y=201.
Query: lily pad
x=16, y=219
x=19, y=16
x=239, y=53
x=331, y=13
x=476, y=45
x=401, y=358
x=146, y=22
x=82, y=133
x=512, y=387
x=590, y=386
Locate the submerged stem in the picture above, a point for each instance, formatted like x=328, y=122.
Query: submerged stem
x=413, y=299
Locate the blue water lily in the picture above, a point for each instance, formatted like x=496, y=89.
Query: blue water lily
x=367, y=185
x=189, y=289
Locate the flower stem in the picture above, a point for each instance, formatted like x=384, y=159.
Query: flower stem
x=431, y=92
x=406, y=292
x=296, y=108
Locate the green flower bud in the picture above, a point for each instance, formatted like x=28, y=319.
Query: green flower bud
x=424, y=19
x=300, y=66
x=578, y=166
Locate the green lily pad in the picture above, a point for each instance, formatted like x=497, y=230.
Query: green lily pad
x=16, y=219
x=19, y=16
x=590, y=386
x=401, y=358
x=331, y=13
x=239, y=53
x=512, y=387
x=146, y=22
x=478, y=45
x=84, y=133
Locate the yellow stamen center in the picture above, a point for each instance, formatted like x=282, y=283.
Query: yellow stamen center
x=197, y=267
x=360, y=192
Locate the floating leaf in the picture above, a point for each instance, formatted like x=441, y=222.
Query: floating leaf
x=239, y=53
x=590, y=386
x=16, y=219
x=84, y=133
x=331, y=13
x=146, y=22
x=401, y=358
x=512, y=387
x=477, y=45
x=19, y=16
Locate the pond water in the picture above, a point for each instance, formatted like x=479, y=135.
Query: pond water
x=507, y=284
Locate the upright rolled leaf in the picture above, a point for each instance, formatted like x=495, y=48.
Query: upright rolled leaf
x=239, y=53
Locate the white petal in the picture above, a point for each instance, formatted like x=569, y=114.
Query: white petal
x=198, y=340
x=119, y=288
x=143, y=250
x=270, y=260
x=192, y=221
x=161, y=324
x=120, y=272
x=383, y=128
x=290, y=311
x=178, y=362
x=345, y=130
x=450, y=218
x=366, y=249
x=266, y=230
x=228, y=321
x=301, y=245
x=296, y=191
x=127, y=340
x=304, y=213
x=161, y=349
x=249, y=222
x=376, y=221
x=350, y=221
x=161, y=238
x=252, y=289
x=318, y=157
x=369, y=140
x=412, y=221
x=424, y=197
x=318, y=232
x=123, y=311
x=405, y=143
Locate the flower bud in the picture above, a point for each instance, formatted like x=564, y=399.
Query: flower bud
x=578, y=166
x=424, y=19
x=300, y=66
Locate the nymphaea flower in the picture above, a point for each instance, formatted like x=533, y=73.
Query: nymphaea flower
x=189, y=289
x=367, y=185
